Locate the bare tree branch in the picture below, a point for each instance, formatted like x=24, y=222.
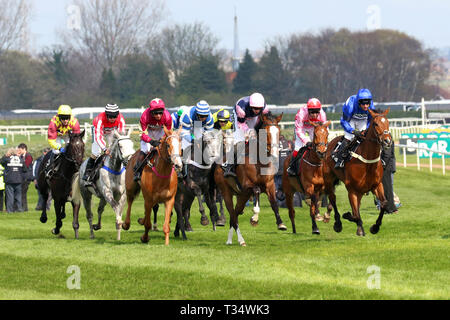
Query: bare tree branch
x=14, y=17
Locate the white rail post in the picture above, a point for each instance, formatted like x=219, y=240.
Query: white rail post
x=404, y=157
x=431, y=161
x=443, y=164
x=418, y=160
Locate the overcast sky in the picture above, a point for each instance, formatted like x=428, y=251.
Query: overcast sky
x=259, y=20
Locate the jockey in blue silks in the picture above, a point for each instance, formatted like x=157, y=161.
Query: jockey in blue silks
x=200, y=114
x=176, y=117
x=355, y=118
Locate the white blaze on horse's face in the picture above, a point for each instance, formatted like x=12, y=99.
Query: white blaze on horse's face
x=175, y=156
x=275, y=140
x=212, y=145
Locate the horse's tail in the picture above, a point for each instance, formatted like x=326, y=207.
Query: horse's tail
x=76, y=191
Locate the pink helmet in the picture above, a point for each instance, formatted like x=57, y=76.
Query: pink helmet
x=257, y=101
x=157, y=104
x=314, y=104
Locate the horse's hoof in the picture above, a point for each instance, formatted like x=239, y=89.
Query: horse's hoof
x=319, y=217
x=155, y=228
x=254, y=223
x=125, y=226
x=144, y=239
x=141, y=221
x=221, y=223
x=374, y=229
x=316, y=232
x=348, y=216
x=189, y=228
x=43, y=219
x=326, y=219
x=337, y=227
x=243, y=244
x=97, y=227
x=55, y=232
x=63, y=216
x=282, y=227
x=360, y=233
x=204, y=221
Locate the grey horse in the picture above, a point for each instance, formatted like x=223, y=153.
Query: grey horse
x=110, y=184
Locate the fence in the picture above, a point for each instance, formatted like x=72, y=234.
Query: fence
x=431, y=151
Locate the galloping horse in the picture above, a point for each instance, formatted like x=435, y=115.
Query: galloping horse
x=309, y=180
x=60, y=184
x=363, y=173
x=197, y=182
x=252, y=178
x=110, y=184
x=159, y=183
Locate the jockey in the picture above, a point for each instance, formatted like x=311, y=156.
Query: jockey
x=247, y=112
x=153, y=121
x=355, y=119
x=104, y=125
x=58, y=134
x=201, y=114
x=222, y=120
x=176, y=116
x=304, y=132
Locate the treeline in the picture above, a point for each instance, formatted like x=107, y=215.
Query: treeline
x=130, y=63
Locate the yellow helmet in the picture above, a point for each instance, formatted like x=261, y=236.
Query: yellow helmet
x=223, y=115
x=64, y=110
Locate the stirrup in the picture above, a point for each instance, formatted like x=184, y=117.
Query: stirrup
x=290, y=172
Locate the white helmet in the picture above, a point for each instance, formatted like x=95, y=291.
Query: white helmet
x=257, y=101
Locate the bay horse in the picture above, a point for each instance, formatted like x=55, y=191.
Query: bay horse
x=252, y=179
x=110, y=183
x=60, y=184
x=197, y=182
x=363, y=173
x=158, y=183
x=309, y=179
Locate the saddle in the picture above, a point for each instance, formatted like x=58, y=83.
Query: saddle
x=352, y=147
x=99, y=163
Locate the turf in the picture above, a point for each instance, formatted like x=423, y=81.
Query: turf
x=412, y=252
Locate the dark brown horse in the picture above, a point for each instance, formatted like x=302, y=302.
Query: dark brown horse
x=309, y=180
x=252, y=179
x=361, y=174
x=60, y=184
x=158, y=183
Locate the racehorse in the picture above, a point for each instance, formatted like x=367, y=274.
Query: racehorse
x=363, y=173
x=309, y=180
x=252, y=179
x=158, y=183
x=110, y=184
x=197, y=182
x=60, y=184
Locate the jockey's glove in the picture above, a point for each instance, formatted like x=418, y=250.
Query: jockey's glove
x=357, y=133
x=155, y=143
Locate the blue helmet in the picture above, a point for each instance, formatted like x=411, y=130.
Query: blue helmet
x=364, y=94
x=202, y=108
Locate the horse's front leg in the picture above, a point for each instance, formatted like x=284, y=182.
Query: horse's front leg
x=312, y=211
x=379, y=193
x=166, y=228
x=58, y=211
x=355, y=200
x=147, y=220
x=75, y=222
x=271, y=193
x=240, y=206
x=118, y=211
x=101, y=208
x=254, y=220
x=211, y=204
x=204, y=219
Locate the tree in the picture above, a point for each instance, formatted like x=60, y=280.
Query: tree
x=111, y=29
x=14, y=17
x=141, y=79
x=108, y=84
x=181, y=45
x=243, y=83
x=202, y=77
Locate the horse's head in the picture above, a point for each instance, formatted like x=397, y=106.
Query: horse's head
x=380, y=125
x=211, y=144
x=228, y=140
x=320, y=141
x=171, y=148
x=125, y=147
x=75, y=148
x=270, y=124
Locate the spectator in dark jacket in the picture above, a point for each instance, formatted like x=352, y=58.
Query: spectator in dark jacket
x=389, y=165
x=28, y=176
x=35, y=171
x=14, y=173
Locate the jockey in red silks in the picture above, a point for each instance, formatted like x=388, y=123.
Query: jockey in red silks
x=304, y=131
x=153, y=121
x=104, y=125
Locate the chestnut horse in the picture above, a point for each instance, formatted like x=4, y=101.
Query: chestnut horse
x=363, y=173
x=252, y=178
x=309, y=180
x=158, y=183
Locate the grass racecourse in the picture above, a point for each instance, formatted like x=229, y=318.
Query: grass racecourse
x=408, y=259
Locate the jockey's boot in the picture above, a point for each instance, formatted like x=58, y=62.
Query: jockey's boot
x=88, y=172
x=342, y=154
x=228, y=170
x=50, y=167
x=139, y=167
x=292, y=170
